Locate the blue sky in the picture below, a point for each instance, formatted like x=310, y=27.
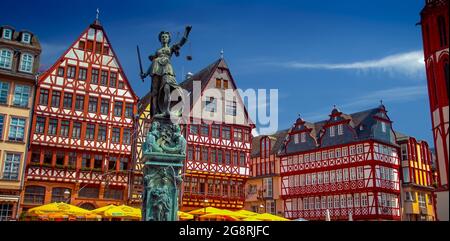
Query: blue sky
x=316, y=53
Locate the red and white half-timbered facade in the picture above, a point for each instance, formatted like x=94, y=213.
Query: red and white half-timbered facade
x=82, y=124
x=219, y=141
x=347, y=165
x=435, y=33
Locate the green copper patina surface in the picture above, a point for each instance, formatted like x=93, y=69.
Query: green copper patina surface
x=164, y=149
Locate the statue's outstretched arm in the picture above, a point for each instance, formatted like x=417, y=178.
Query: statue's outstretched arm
x=176, y=47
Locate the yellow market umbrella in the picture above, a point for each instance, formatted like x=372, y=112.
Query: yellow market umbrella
x=185, y=216
x=61, y=207
x=246, y=213
x=269, y=217
x=122, y=211
x=203, y=211
x=251, y=219
x=227, y=217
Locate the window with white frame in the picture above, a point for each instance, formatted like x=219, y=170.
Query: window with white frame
x=352, y=150
x=314, y=179
x=336, y=201
x=311, y=203
x=318, y=156
x=326, y=177
x=406, y=178
x=343, y=201
x=331, y=154
x=364, y=201
x=303, y=137
x=296, y=138
x=16, y=129
x=381, y=170
x=359, y=149
x=338, y=152
x=317, y=206
x=324, y=202
x=324, y=155
x=305, y=203
x=26, y=38
x=345, y=174
x=308, y=179
x=6, y=210
x=352, y=173
x=319, y=178
x=332, y=176
x=360, y=172
x=5, y=58
x=230, y=108
x=7, y=33
x=299, y=204
x=330, y=202
x=344, y=151
x=210, y=104
x=302, y=180
x=312, y=157
x=11, y=166
x=383, y=127
x=306, y=158
x=4, y=90
x=2, y=124
x=404, y=150
x=299, y=159
x=409, y=196
x=291, y=181
x=339, y=175
x=340, y=129
x=332, y=131
x=297, y=180
x=356, y=197
x=349, y=201
x=26, y=63
x=21, y=95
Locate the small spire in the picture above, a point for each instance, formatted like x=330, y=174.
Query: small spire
x=381, y=102
x=221, y=54
x=98, y=13
x=334, y=106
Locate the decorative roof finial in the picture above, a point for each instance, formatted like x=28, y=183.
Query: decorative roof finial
x=334, y=106
x=381, y=102
x=98, y=13
x=221, y=54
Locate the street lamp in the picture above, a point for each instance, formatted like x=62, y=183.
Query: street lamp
x=261, y=207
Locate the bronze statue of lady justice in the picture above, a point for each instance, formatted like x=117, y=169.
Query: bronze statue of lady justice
x=162, y=74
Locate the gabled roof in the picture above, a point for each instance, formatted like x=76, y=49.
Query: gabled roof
x=95, y=25
x=204, y=76
x=367, y=119
x=277, y=142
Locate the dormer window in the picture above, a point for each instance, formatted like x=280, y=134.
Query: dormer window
x=7, y=33
x=26, y=38
x=332, y=131
x=383, y=127
x=303, y=137
x=361, y=127
x=340, y=129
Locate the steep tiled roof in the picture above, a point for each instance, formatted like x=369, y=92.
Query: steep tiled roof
x=277, y=142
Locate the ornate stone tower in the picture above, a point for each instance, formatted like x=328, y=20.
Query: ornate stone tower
x=434, y=21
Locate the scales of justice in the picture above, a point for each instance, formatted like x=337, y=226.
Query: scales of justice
x=164, y=149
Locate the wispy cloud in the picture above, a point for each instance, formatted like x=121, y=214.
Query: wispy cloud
x=388, y=96
x=50, y=52
x=408, y=63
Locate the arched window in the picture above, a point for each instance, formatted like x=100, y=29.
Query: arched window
x=442, y=31
x=5, y=58
x=58, y=195
x=34, y=195
x=87, y=206
x=26, y=63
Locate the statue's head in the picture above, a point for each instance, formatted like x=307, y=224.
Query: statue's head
x=155, y=125
x=164, y=37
